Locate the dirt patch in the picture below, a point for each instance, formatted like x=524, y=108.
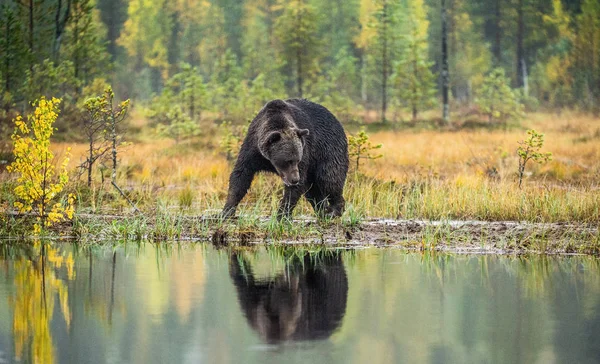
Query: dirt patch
x=475, y=237
x=500, y=237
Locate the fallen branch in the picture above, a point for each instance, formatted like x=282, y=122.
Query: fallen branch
x=126, y=198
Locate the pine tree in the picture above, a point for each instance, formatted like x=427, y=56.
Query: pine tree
x=385, y=47
x=296, y=31
x=258, y=41
x=84, y=43
x=415, y=83
x=586, y=54
x=12, y=50
x=113, y=14
x=445, y=71
x=551, y=76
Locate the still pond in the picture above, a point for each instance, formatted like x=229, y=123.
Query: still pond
x=195, y=304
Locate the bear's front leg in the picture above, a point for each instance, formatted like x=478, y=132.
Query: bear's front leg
x=239, y=183
x=291, y=195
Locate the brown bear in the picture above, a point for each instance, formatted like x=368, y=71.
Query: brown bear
x=305, y=145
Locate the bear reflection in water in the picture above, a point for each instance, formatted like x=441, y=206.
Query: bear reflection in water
x=307, y=301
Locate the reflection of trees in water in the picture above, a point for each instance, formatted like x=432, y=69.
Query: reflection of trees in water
x=37, y=288
x=306, y=301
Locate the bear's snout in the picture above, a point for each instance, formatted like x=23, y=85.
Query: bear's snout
x=291, y=177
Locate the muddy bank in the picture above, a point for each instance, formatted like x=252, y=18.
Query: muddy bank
x=496, y=237
x=475, y=237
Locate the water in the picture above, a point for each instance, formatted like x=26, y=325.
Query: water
x=194, y=304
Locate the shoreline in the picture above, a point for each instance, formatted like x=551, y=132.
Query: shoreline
x=447, y=236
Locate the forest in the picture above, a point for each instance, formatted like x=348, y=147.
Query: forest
x=223, y=58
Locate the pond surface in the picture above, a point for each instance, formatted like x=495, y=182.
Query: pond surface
x=194, y=304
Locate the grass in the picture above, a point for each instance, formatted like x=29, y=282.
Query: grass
x=450, y=174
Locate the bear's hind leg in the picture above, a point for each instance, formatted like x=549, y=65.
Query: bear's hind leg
x=336, y=205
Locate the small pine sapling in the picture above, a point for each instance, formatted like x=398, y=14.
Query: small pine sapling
x=529, y=149
x=39, y=185
x=232, y=138
x=361, y=148
x=498, y=100
x=94, y=127
x=112, y=116
x=180, y=126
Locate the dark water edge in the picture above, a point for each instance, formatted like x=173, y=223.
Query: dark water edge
x=189, y=303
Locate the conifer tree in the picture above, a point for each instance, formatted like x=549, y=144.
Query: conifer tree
x=415, y=83
x=296, y=31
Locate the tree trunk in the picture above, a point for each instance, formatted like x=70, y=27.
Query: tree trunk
x=416, y=78
x=7, y=25
x=90, y=160
x=299, y=50
x=59, y=26
x=192, y=101
x=363, y=77
x=497, y=50
x=520, y=51
x=384, y=61
x=113, y=136
x=76, y=46
x=445, y=73
x=30, y=40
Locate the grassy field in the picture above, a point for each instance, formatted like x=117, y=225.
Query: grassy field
x=455, y=173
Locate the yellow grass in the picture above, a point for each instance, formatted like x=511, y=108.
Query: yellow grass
x=423, y=174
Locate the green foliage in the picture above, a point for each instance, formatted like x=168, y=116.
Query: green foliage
x=529, y=149
x=334, y=89
x=586, y=47
x=498, y=100
x=359, y=147
x=180, y=126
x=47, y=79
x=185, y=91
x=39, y=186
x=84, y=44
x=225, y=82
x=384, y=47
x=296, y=32
x=231, y=140
x=414, y=81
x=228, y=57
x=12, y=49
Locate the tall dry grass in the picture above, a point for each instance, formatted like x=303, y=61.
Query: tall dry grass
x=449, y=174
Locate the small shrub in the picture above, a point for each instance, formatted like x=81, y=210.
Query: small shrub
x=360, y=148
x=498, y=100
x=231, y=141
x=180, y=126
x=39, y=186
x=529, y=149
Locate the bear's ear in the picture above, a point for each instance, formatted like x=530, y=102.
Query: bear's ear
x=276, y=105
x=302, y=132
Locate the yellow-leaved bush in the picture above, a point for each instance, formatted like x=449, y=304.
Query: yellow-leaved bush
x=39, y=185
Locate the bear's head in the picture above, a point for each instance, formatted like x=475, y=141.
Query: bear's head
x=284, y=149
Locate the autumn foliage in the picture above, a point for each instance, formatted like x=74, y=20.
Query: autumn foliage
x=40, y=183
